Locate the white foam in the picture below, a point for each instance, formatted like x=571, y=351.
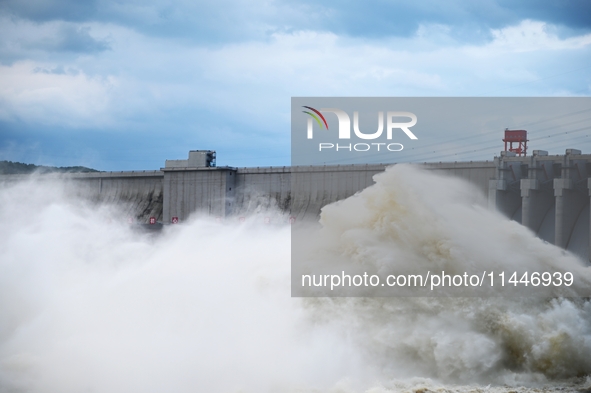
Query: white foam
x=86, y=304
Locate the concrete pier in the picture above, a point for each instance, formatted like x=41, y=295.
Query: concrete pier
x=504, y=192
x=552, y=199
x=537, y=194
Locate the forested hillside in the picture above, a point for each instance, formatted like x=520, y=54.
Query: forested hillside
x=11, y=168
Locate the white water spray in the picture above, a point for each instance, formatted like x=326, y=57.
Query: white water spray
x=86, y=304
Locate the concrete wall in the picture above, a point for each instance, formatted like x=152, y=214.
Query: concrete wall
x=478, y=173
x=138, y=194
x=304, y=190
x=262, y=188
x=179, y=191
x=548, y=194
x=316, y=187
x=203, y=190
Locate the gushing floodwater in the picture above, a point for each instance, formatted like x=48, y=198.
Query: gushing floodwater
x=87, y=304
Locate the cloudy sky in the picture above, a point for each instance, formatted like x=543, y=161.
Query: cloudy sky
x=126, y=84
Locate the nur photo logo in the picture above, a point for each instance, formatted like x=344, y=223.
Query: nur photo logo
x=392, y=119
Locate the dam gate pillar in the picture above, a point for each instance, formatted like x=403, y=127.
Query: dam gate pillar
x=572, y=193
x=537, y=191
x=504, y=192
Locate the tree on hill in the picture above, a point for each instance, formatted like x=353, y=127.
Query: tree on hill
x=18, y=168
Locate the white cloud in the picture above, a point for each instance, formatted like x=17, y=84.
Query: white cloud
x=145, y=79
x=529, y=36
x=68, y=99
x=22, y=39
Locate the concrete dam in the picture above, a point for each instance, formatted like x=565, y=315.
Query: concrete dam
x=549, y=194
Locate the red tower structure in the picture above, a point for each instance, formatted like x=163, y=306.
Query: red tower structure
x=516, y=136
